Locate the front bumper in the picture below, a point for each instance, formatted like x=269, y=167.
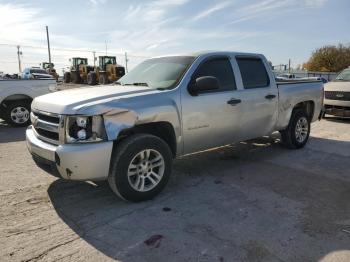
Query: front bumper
x=72, y=161
x=337, y=107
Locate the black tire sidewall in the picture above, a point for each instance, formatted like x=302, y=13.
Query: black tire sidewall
x=103, y=80
x=124, y=154
x=67, y=77
x=91, y=78
x=295, y=118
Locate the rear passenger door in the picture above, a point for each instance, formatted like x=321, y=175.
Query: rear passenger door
x=259, y=95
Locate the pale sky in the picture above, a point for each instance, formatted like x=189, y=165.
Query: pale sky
x=280, y=29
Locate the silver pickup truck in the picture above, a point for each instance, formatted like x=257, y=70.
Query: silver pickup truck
x=129, y=132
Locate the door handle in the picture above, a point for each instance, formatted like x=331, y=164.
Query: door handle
x=270, y=96
x=234, y=101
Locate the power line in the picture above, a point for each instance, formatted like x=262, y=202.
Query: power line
x=70, y=50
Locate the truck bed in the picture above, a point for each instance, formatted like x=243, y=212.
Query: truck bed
x=294, y=92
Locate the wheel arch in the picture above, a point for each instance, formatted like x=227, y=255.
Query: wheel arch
x=308, y=106
x=162, y=129
x=15, y=97
x=285, y=115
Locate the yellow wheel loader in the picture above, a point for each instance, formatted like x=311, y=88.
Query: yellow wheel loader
x=108, y=71
x=79, y=71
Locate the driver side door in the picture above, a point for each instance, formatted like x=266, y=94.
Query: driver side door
x=209, y=118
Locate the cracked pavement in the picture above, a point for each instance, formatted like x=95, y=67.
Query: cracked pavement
x=252, y=201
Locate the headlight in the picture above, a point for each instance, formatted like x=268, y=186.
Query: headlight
x=85, y=129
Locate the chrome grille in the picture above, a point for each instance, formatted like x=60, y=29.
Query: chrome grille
x=337, y=95
x=47, y=126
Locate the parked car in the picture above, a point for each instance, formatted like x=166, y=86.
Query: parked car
x=36, y=73
x=287, y=76
x=318, y=78
x=166, y=107
x=337, y=95
x=16, y=97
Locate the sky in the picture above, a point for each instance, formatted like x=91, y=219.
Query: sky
x=279, y=29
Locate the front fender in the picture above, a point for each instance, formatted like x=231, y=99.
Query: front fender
x=125, y=113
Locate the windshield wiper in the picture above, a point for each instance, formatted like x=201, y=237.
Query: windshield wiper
x=117, y=83
x=137, y=84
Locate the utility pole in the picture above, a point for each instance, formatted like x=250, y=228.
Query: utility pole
x=94, y=52
x=126, y=62
x=19, y=53
x=289, y=65
x=48, y=46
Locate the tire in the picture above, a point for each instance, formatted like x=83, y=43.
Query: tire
x=103, y=80
x=17, y=113
x=67, y=77
x=127, y=152
x=2, y=115
x=291, y=137
x=92, y=78
x=75, y=77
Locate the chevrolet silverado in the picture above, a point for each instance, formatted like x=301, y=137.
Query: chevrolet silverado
x=129, y=132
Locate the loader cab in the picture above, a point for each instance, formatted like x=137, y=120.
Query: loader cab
x=106, y=60
x=46, y=65
x=77, y=61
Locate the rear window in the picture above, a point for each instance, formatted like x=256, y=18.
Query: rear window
x=253, y=72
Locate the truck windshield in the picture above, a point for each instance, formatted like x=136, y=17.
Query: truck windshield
x=159, y=73
x=343, y=76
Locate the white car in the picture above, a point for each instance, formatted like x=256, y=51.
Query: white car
x=35, y=73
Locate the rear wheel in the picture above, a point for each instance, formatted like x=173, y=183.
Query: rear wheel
x=17, y=113
x=67, y=77
x=75, y=77
x=92, y=78
x=140, y=167
x=297, y=133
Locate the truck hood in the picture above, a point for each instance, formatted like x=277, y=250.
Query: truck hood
x=337, y=86
x=77, y=100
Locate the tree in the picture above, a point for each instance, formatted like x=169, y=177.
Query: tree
x=329, y=59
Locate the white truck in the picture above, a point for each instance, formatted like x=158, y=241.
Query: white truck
x=337, y=95
x=128, y=133
x=16, y=97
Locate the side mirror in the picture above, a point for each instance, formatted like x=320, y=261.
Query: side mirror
x=202, y=84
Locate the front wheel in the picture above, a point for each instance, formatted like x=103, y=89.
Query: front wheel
x=140, y=167
x=297, y=133
x=103, y=79
x=17, y=113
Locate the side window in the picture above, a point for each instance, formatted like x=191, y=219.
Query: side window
x=253, y=72
x=221, y=69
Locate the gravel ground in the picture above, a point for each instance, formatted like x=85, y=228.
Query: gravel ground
x=253, y=201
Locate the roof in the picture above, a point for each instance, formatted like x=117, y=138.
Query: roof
x=209, y=52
